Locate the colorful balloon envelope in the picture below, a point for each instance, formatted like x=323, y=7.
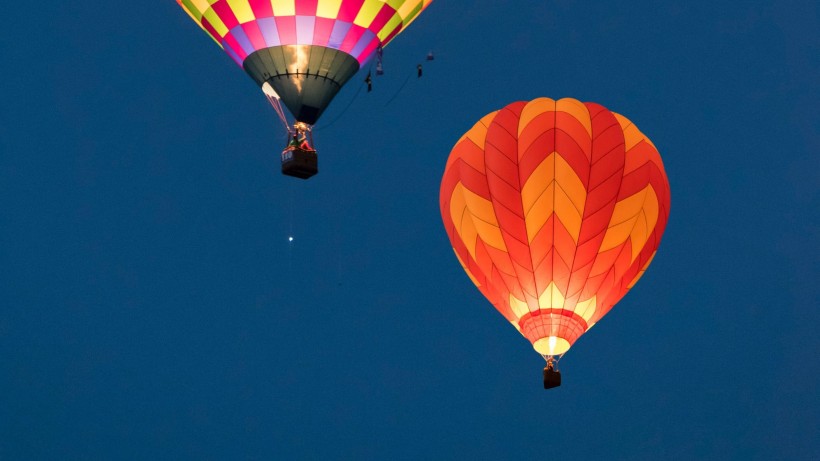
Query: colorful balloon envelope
x=554, y=209
x=305, y=49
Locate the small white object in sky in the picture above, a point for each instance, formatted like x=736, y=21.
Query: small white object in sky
x=290, y=239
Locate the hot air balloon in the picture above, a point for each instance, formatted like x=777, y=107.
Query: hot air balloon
x=305, y=50
x=554, y=210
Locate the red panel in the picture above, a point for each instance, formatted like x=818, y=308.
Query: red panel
x=473, y=180
x=634, y=182
x=321, y=31
x=349, y=10
x=261, y=8
x=368, y=50
x=575, y=130
x=207, y=26
x=502, y=132
x=392, y=34
x=534, y=133
x=564, y=245
x=306, y=7
x=286, y=27
x=384, y=15
x=535, y=152
x=501, y=259
x=352, y=38
x=225, y=13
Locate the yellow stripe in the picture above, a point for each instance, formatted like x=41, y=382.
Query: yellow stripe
x=551, y=298
x=328, y=8
x=242, y=10
x=217, y=23
x=283, y=7
x=201, y=5
x=192, y=13
x=518, y=307
x=388, y=27
x=406, y=8
x=369, y=10
x=585, y=309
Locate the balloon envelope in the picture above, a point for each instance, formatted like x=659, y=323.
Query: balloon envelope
x=305, y=49
x=554, y=209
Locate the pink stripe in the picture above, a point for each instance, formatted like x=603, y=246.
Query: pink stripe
x=367, y=52
x=349, y=10
x=254, y=35
x=261, y=8
x=352, y=38
x=322, y=30
x=286, y=25
x=231, y=42
x=223, y=10
x=381, y=19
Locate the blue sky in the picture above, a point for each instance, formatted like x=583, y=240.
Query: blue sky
x=153, y=308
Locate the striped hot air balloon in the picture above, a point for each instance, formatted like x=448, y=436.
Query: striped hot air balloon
x=554, y=209
x=305, y=49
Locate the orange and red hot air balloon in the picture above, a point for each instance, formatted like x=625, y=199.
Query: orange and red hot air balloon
x=554, y=209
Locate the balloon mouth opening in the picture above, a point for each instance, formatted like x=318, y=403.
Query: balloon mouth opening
x=551, y=345
x=552, y=332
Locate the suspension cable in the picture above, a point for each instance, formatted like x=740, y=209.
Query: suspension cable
x=277, y=107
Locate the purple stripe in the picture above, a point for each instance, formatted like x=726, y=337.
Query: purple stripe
x=338, y=35
x=269, y=32
x=366, y=39
x=239, y=34
x=304, y=30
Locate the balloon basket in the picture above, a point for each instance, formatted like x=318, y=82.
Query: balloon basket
x=299, y=163
x=552, y=377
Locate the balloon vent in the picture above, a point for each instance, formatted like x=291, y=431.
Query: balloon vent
x=552, y=377
x=299, y=163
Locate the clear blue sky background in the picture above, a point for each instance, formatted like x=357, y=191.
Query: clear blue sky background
x=151, y=306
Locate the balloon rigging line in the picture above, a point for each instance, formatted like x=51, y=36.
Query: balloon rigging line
x=353, y=99
x=403, y=85
x=343, y=110
x=355, y=96
x=277, y=107
x=398, y=91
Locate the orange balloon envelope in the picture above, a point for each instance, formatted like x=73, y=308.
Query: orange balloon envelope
x=554, y=209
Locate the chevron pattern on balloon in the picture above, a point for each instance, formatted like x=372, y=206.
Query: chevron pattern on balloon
x=554, y=208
